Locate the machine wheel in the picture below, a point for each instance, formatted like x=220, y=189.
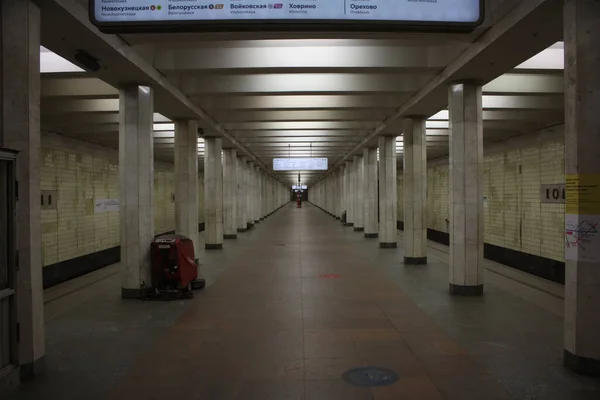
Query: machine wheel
x=198, y=284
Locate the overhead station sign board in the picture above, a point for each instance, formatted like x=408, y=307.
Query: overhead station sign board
x=370, y=15
x=299, y=187
x=300, y=164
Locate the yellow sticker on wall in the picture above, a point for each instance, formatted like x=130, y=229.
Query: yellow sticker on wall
x=583, y=194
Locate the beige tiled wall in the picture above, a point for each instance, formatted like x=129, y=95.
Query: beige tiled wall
x=437, y=198
x=79, y=173
x=514, y=216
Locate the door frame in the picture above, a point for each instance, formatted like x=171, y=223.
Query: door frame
x=9, y=157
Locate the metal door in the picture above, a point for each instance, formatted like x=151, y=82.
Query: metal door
x=8, y=264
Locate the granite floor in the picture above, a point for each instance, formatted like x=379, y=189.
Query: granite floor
x=289, y=307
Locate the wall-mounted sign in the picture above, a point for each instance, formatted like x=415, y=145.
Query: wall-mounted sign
x=161, y=15
x=300, y=164
x=299, y=187
x=106, y=205
x=552, y=193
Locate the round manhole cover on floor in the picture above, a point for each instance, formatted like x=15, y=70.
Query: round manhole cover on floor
x=370, y=376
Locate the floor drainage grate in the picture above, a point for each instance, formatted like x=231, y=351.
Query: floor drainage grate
x=370, y=376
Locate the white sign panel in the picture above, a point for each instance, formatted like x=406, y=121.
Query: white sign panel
x=414, y=12
x=301, y=187
x=106, y=205
x=300, y=164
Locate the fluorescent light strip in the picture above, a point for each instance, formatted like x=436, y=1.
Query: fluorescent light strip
x=51, y=62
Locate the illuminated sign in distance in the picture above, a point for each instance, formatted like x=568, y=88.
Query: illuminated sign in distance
x=300, y=164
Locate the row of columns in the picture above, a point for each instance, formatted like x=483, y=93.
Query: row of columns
x=361, y=176
x=582, y=174
x=365, y=189
x=237, y=193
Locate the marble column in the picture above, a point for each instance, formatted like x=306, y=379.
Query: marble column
x=249, y=195
x=349, y=193
x=415, y=191
x=213, y=193
x=582, y=211
x=136, y=172
x=370, y=193
x=340, y=191
x=186, y=182
x=359, y=213
x=20, y=130
x=344, y=187
x=230, y=221
x=466, y=189
x=263, y=194
x=387, y=193
x=257, y=197
x=241, y=218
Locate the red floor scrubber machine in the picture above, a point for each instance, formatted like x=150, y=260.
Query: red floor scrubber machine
x=174, y=269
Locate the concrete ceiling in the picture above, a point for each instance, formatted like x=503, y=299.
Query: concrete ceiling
x=326, y=95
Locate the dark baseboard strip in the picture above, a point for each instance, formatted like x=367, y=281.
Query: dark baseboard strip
x=257, y=221
x=392, y=245
x=358, y=229
x=581, y=365
x=460, y=290
x=371, y=235
x=546, y=268
x=415, y=260
x=348, y=223
x=230, y=236
x=242, y=229
x=438, y=237
x=250, y=225
x=76, y=267
x=540, y=266
x=213, y=246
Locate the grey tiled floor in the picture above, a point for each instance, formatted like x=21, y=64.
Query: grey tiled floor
x=290, y=306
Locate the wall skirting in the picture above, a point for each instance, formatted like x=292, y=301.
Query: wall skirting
x=75, y=267
x=539, y=266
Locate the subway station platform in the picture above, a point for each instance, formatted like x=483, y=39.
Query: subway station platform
x=291, y=306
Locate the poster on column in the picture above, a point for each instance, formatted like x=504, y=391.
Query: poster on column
x=582, y=218
x=373, y=15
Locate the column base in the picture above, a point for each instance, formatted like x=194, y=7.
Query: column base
x=581, y=365
x=392, y=245
x=348, y=223
x=256, y=221
x=29, y=371
x=242, y=229
x=415, y=260
x=229, y=236
x=371, y=235
x=357, y=229
x=250, y=225
x=213, y=246
x=460, y=290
